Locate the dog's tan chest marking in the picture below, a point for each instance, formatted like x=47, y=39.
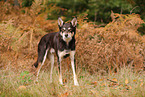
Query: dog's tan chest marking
x=52, y=50
x=63, y=53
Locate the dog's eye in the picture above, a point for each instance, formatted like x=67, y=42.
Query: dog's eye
x=69, y=29
x=63, y=29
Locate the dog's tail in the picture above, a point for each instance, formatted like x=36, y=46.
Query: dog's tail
x=35, y=64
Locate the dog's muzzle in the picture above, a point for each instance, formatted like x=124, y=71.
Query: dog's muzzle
x=66, y=35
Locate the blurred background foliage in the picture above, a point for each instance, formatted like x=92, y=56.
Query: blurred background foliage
x=97, y=10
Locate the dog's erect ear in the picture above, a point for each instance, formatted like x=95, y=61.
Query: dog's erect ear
x=74, y=22
x=60, y=22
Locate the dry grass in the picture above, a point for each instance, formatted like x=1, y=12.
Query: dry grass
x=109, y=59
x=124, y=83
x=116, y=45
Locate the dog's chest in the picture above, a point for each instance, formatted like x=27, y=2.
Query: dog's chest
x=52, y=50
x=64, y=53
x=61, y=47
x=66, y=47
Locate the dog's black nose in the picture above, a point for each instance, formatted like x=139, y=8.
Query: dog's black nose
x=66, y=35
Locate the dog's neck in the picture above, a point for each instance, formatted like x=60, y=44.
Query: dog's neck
x=67, y=42
x=63, y=45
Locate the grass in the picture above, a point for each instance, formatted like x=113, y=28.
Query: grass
x=22, y=84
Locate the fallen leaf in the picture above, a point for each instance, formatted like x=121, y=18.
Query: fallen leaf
x=100, y=79
x=113, y=84
x=141, y=84
x=94, y=92
x=22, y=87
x=130, y=87
x=94, y=83
x=134, y=80
x=103, y=84
x=64, y=94
x=120, y=86
x=126, y=81
x=114, y=79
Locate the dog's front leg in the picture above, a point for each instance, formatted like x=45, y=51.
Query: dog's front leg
x=60, y=56
x=59, y=67
x=72, y=54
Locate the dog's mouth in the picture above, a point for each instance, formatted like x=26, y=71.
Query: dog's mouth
x=67, y=39
x=67, y=36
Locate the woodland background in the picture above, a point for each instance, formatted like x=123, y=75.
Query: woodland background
x=110, y=47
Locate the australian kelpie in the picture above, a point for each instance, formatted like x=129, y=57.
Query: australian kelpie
x=62, y=43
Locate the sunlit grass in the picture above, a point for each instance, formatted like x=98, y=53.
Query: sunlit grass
x=124, y=83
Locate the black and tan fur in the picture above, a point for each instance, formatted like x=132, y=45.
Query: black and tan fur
x=61, y=43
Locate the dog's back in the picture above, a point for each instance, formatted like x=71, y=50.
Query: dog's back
x=46, y=40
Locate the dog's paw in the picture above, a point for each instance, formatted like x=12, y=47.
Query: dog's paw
x=76, y=83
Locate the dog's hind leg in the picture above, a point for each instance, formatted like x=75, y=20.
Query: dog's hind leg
x=60, y=73
x=41, y=62
x=51, y=57
x=59, y=59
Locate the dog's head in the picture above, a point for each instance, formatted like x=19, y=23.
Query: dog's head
x=67, y=30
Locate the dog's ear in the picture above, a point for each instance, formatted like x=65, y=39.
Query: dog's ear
x=74, y=22
x=60, y=22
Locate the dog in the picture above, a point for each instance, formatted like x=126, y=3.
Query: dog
x=62, y=44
